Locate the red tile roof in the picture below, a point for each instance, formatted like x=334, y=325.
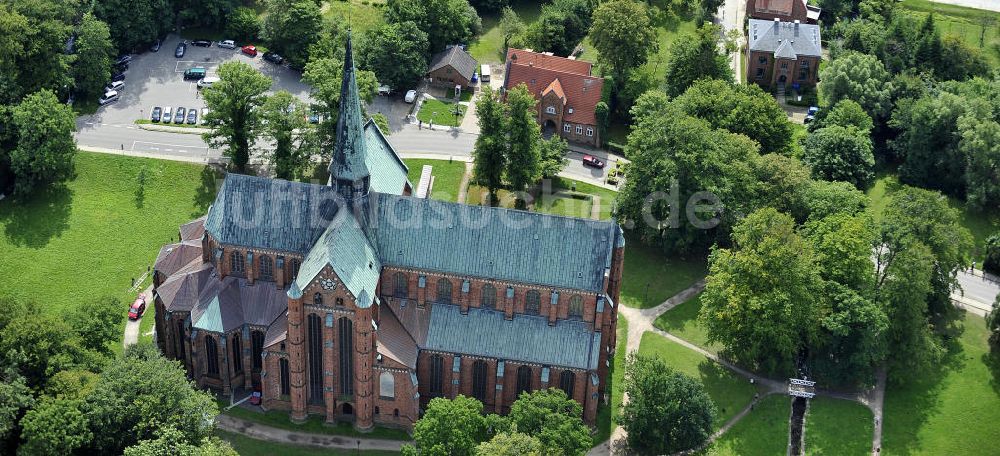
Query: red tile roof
x=557, y=88
x=782, y=6
x=539, y=72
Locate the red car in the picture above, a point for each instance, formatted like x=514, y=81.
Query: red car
x=255, y=397
x=138, y=308
x=589, y=160
x=250, y=50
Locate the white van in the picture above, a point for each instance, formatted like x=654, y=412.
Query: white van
x=207, y=81
x=484, y=74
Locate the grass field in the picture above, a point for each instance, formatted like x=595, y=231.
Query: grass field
x=979, y=28
x=607, y=197
x=763, y=432
x=488, y=48
x=247, y=446
x=93, y=236
x=447, y=176
x=440, y=113
x=363, y=15
x=607, y=416
x=682, y=321
x=838, y=427
x=730, y=392
x=952, y=411
x=651, y=277
x=314, y=424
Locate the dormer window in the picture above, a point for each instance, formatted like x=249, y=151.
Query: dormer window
x=550, y=110
x=570, y=110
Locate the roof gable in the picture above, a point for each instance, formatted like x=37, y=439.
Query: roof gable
x=580, y=91
x=388, y=171
x=344, y=247
x=455, y=57
x=789, y=38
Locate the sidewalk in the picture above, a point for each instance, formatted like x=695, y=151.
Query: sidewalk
x=285, y=437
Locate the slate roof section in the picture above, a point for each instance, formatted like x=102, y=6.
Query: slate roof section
x=488, y=242
x=193, y=230
x=538, y=71
x=277, y=331
x=790, y=39
x=180, y=292
x=275, y=214
x=348, y=162
x=457, y=58
x=395, y=342
x=344, y=247
x=525, y=338
x=388, y=171
x=173, y=257
x=230, y=303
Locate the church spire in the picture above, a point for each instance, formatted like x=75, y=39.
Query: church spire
x=348, y=170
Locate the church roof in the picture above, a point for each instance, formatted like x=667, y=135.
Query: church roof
x=344, y=247
x=529, y=338
x=395, y=342
x=192, y=231
x=348, y=163
x=173, y=257
x=388, y=171
x=230, y=303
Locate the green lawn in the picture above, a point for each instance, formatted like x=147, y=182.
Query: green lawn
x=440, y=112
x=607, y=416
x=247, y=446
x=730, y=392
x=838, y=427
x=651, y=276
x=952, y=411
x=763, y=432
x=574, y=198
x=363, y=14
x=314, y=424
x=607, y=196
x=979, y=28
x=682, y=321
x=566, y=204
x=447, y=176
x=488, y=48
x=93, y=236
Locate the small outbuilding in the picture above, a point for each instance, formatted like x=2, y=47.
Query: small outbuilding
x=451, y=67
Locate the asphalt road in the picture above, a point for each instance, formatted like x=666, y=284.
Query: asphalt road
x=976, y=287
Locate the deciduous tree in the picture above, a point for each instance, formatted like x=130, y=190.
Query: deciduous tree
x=97, y=322
x=135, y=24
x=325, y=75
x=846, y=113
x=554, y=419
x=291, y=26
x=623, y=36
x=840, y=154
x=553, y=156
x=745, y=109
x=54, y=426
x=449, y=427
x=396, y=52
x=94, y=51
x=490, y=153
x=243, y=25
x=283, y=121
x=233, y=115
x=511, y=25
x=513, y=444
x=858, y=77
x=444, y=21
x=524, y=135
x=561, y=25
x=980, y=144
x=45, y=147
x=695, y=56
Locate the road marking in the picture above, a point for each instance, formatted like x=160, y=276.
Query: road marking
x=194, y=63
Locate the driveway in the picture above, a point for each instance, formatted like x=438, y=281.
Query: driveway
x=732, y=16
x=394, y=109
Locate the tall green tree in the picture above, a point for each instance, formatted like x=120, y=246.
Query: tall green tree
x=980, y=144
x=524, y=136
x=489, y=157
x=992, y=261
x=846, y=113
x=760, y=300
x=207, y=13
x=993, y=324
x=554, y=419
x=553, y=156
x=54, y=426
x=623, y=36
x=511, y=26
x=325, y=75
x=170, y=441
x=291, y=26
x=94, y=51
x=743, y=108
x=560, y=26
x=233, y=115
x=840, y=154
x=396, y=52
x=696, y=56
x=667, y=412
x=45, y=147
x=449, y=427
x=39, y=347
x=959, y=61
x=858, y=77
x=444, y=21
x=243, y=25
x=135, y=24
x=513, y=444
x=283, y=121
x=96, y=322
x=928, y=141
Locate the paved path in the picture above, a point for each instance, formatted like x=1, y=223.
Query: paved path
x=132, y=326
x=271, y=434
x=732, y=16
x=978, y=292
x=463, y=188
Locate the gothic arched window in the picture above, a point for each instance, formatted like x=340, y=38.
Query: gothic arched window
x=576, y=307
x=236, y=262
x=444, y=291
x=211, y=356
x=489, y=297
x=266, y=268
x=532, y=302
x=479, y=380
x=401, y=288
x=523, y=379
x=567, y=381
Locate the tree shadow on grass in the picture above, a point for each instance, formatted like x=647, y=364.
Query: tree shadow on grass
x=34, y=221
x=205, y=194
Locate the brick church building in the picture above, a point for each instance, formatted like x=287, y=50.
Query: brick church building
x=358, y=302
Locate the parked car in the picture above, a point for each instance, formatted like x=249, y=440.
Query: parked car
x=156, y=45
x=811, y=113
x=411, y=96
x=274, y=58
x=192, y=116
x=204, y=112
x=117, y=76
x=315, y=118
x=167, y=117
x=179, y=116
x=201, y=43
x=114, y=86
x=590, y=160
x=250, y=50
x=384, y=90
x=108, y=98
x=124, y=59
x=208, y=81
x=194, y=73
x=227, y=44
x=181, y=49
x=137, y=308
x=255, y=397
x=156, y=114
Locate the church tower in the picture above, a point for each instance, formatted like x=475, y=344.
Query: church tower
x=348, y=171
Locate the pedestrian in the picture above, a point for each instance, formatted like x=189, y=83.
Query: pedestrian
x=420, y=125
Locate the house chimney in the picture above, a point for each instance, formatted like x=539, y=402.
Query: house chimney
x=777, y=26
x=796, y=27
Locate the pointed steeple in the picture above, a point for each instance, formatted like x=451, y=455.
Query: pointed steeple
x=348, y=171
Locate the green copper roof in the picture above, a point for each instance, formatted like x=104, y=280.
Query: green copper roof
x=348, y=163
x=389, y=173
x=344, y=247
x=211, y=318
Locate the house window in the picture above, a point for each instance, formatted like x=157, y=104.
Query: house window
x=211, y=356
x=566, y=382
x=346, y=331
x=318, y=299
x=283, y=374
x=762, y=60
x=266, y=268
x=550, y=110
x=523, y=379
x=784, y=65
x=256, y=348
x=444, y=291
x=532, y=302
x=295, y=268
x=802, y=75
x=402, y=286
x=804, y=64
x=236, y=262
x=760, y=73
x=590, y=131
x=386, y=385
x=237, y=348
x=479, y=380
x=314, y=344
x=579, y=130
x=489, y=297
x=576, y=307
x=567, y=127
x=437, y=374
x=340, y=301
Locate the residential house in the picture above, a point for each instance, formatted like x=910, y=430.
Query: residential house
x=785, y=10
x=783, y=54
x=451, y=67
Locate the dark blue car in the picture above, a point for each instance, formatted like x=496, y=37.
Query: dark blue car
x=179, y=52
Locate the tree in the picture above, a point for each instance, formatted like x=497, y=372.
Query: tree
x=928, y=143
x=283, y=121
x=708, y=9
x=858, y=77
x=696, y=56
x=243, y=25
x=135, y=24
x=837, y=153
x=993, y=324
x=903, y=287
x=846, y=113
x=39, y=346
x=489, y=157
x=383, y=123
x=94, y=51
x=488, y=6
x=992, y=261
x=45, y=147
x=523, y=154
x=15, y=398
x=554, y=419
x=667, y=412
x=980, y=144
x=959, y=61
x=396, y=52
x=170, y=442
x=207, y=13
x=96, y=322
x=511, y=25
x=291, y=26
x=553, y=156
x=760, y=300
x=561, y=25
x=233, y=115
x=449, y=427
x=54, y=426
x=745, y=109
x=623, y=36
x=140, y=394
x=325, y=75
x=444, y=21
x=514, y=444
